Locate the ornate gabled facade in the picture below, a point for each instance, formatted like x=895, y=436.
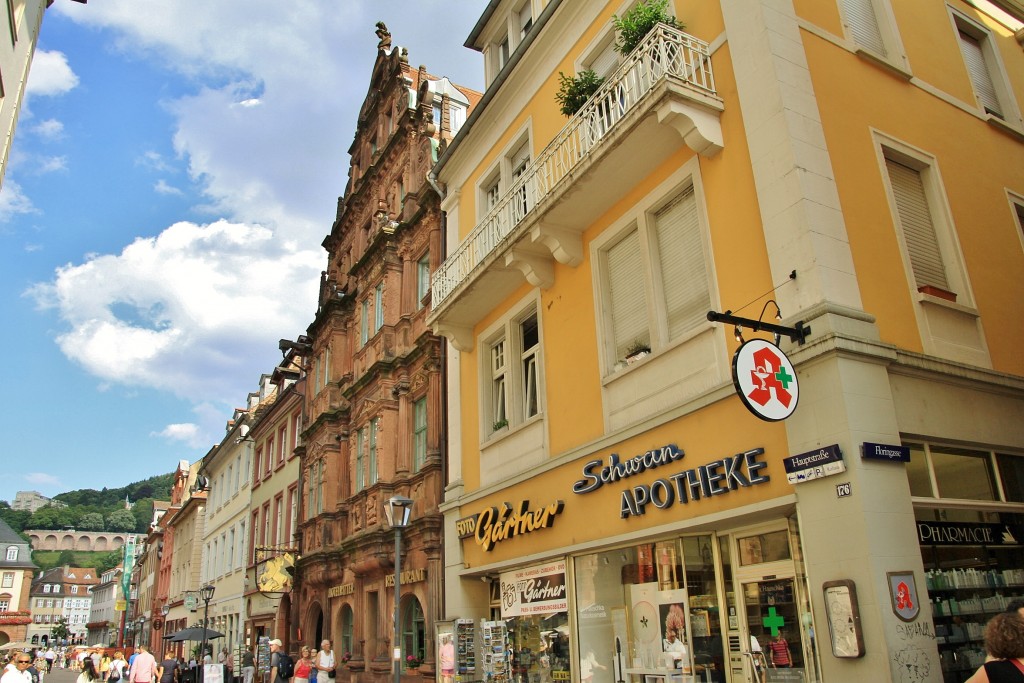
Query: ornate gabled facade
x=374, y=394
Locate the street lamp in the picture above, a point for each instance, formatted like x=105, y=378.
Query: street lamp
x=398, y=510
x=138, y=634
x=206, y=593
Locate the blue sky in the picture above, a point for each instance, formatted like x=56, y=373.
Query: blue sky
x=174, y=171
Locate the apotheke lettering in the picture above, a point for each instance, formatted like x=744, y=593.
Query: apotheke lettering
x=712, y=479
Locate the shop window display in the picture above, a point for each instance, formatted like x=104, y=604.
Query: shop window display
x=647, y=615
x=973, y=556
x=536, y=646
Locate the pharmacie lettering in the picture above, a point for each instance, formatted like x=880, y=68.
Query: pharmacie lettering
x=494, y=526
x=596, y=474
x=712, y=479
x=928, y=533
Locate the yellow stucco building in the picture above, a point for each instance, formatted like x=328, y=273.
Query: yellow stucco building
x=855, y=166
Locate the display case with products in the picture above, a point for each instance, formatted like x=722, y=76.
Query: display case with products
x=495, y=663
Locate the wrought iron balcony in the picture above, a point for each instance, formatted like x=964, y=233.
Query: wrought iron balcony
x=669, y=74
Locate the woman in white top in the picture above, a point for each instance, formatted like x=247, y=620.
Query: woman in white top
x=325, y=663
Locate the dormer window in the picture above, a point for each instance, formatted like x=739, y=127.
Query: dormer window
x=12, y=553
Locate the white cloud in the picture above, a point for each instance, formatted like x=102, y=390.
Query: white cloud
x=42, y=479
x=186, y=432
x=153, y=160
x=162, y=187
x=13, y=201
x=49, y=165
x=50, y=129
x=50, y=74
x=264, y=132
x=191, y=311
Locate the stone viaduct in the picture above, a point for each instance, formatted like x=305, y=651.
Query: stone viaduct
x=45, y=539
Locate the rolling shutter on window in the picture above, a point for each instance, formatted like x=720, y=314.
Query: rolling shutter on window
x=684, y=276
x=604, y=63
x=974, y=57
x=863, y=24
x=916, y=222
x=626, y=294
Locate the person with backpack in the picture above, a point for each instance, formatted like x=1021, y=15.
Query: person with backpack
x=281, y=665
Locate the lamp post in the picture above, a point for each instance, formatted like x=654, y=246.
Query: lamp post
x=206, y=593
x=398, y=510
x=138, y=634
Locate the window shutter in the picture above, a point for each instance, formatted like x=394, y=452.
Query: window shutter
x=863, y=24
x=626, y=294
x=604, y=63
x=916, y=222
x=683, y=268
x=974, y=57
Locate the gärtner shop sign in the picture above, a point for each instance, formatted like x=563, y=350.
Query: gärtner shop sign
x=715, y=478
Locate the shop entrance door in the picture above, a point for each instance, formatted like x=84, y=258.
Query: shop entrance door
x=773, y=625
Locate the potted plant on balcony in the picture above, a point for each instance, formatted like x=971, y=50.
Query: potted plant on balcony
x=636, y=350
x=574, y=91
x=412, y=663
x=634, y=25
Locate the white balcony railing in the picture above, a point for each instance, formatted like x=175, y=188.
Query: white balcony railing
x=665, y=52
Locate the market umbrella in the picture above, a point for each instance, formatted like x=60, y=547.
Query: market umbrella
x=194, y=633
x=22, y=645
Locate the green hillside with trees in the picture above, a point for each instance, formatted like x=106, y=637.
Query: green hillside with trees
x=92, y=510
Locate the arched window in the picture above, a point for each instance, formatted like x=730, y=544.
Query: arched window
x=413, y=630
x=345, y=644
x=12, y=553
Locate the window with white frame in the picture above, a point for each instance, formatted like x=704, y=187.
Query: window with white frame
x=520, y=162
x=12, y=553
x=372, y=463
x=524, y=20
x=1018, y=212
x=655, y=277
x=422, y=279
x=871, y=25
x=360, y=459
x=925, y=230
x=983, y=66
x=364, y=321
x=8, y=580
x=5, y=604
x=491, y=193
x=378, y=307
x=419, y=434
x=456, y=117
x=514, y=372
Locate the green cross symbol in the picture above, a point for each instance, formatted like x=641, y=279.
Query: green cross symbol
x=773, y=621
x=784, y=377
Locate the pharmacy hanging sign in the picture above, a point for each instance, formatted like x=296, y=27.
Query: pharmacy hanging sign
x=765, y=380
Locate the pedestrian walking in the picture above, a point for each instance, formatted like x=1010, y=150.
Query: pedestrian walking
x=325, y=663
x=89, y=672
x=248, y=665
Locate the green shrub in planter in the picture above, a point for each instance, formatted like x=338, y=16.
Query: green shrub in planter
x=574, y=91
x=633, y=26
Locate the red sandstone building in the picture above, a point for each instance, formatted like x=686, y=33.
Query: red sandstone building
x=374, y=389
